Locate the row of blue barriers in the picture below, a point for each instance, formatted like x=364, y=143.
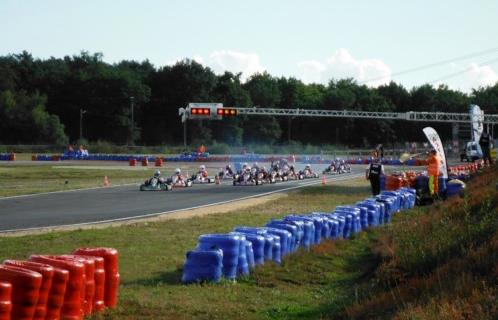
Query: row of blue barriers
x=234, y=254
x=5, y=156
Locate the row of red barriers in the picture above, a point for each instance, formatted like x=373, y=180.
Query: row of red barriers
x=145, y=162
x=49, y=287
x=466, y=169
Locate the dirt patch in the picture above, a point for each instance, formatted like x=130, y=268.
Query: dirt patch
x=183, y=214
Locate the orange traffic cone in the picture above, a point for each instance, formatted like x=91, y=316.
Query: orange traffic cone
x=324, y=180
x=217, y=179
x=106, y=181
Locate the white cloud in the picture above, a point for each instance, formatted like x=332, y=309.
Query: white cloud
x=228, y=60
x=343, y=65
x=481, y=76
x=475, y=76
x=235, y=62
x=311, y=71
x=198, y=58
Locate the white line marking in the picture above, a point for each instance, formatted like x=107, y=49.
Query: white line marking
x=184, y=209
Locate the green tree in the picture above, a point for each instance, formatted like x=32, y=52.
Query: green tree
x=25, y=120
x=264, y=92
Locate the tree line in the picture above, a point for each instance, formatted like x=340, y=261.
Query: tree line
x=42, y=100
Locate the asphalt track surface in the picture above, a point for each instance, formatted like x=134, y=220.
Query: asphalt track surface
x=100, y=205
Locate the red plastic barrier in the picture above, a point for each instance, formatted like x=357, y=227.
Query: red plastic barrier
x=159, y=162
x=393, y=183
x=145, y=162
x=110, y=256
x=89, y=280
x=56, y=295
x=25, y=288
x=72, y=309
x=5, y=300
x=99, y=276
x=47, y=273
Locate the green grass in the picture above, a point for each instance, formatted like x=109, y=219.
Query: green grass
x=307, y=284
x=436, y=262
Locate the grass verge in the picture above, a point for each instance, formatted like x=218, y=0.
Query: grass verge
x=152, y=255
x=437, y=262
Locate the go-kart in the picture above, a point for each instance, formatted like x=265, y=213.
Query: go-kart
x=344, y=168
x=155, y=184
x=307, y=174
x=278, y=176
x=264, y=177
x=245, y=179
x=293, y=175
x=199, y=179
x=225, y=174
x=330, y=170
x=180, y=183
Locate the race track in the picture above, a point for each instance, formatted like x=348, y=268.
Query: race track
x=127, y=202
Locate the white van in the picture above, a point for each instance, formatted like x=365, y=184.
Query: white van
x=472, y=152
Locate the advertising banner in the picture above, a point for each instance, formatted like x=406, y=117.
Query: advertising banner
x=436, y=143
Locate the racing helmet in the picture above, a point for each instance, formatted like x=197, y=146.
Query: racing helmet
x=247, y=168
x=157, y=174
x=308, y=166
x=178, y=171
x=228, y=167
x=202, y=167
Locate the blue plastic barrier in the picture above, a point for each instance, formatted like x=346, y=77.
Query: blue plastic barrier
x=258, y=246
x=230, y=244
x=203, y=265
x=454, y=189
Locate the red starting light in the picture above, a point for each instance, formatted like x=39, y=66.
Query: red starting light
x=200, y=111
x=226, y=112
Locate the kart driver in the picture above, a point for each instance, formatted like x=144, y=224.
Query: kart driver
x=156, y=179
x=284, y=165
x=246, y=174
x=332, y=167
x=202, y=171
x=228, y=170
x=307, y=170
x=244, y=167
x=177, y=176
x=292, y=170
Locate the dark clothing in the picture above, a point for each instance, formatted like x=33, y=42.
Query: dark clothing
x=484, y=143
x=375, y=184
x=374, y=171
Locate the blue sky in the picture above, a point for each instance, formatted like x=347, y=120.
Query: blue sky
x=311, y=40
